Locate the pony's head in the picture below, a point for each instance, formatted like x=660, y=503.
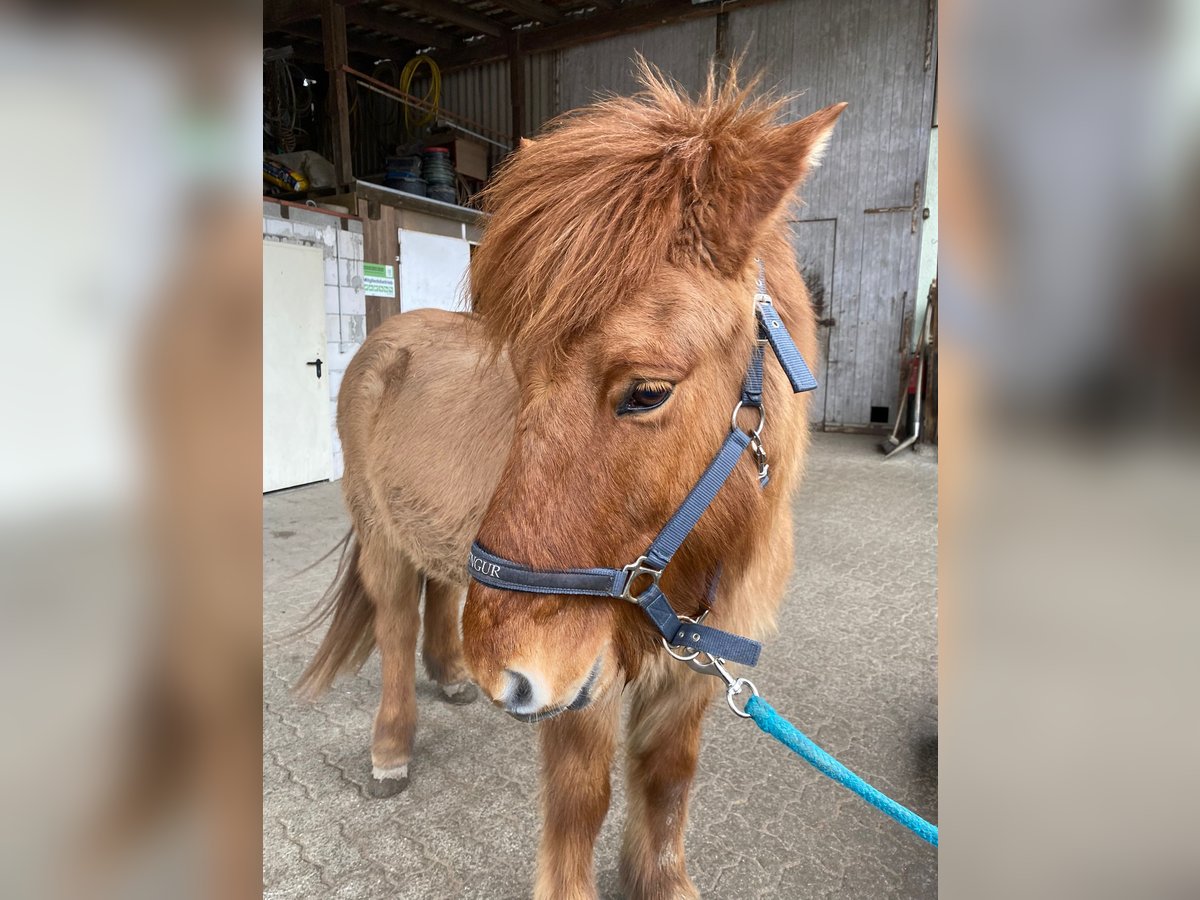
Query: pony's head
x=618, y=270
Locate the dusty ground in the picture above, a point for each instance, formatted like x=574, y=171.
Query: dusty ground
x=854, y=666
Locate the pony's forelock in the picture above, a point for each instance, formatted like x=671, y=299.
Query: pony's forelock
x=582, y=217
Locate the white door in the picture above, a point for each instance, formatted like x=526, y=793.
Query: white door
x=433, y=271
x=297, y=441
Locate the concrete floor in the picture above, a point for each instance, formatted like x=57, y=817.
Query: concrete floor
x=855, y=666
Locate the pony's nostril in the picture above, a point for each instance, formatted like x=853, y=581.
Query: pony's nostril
x=520, y=693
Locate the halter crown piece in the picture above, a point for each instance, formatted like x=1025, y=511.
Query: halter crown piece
x=504, y=574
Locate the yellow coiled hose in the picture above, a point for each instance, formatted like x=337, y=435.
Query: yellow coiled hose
x=433, y=95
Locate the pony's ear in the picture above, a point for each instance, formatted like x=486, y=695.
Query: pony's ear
x=754, y=186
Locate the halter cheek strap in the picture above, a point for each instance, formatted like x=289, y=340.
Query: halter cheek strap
x=630, y=582
x=771, y=327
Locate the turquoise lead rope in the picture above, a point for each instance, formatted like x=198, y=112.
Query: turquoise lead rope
x=766, y=718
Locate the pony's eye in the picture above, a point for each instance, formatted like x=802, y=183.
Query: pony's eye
x=646, y=395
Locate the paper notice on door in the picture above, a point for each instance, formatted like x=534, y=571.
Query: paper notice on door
x=379, y=281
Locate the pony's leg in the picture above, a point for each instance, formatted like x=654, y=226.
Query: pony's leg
x=663, y=742
x=577, y=750
x=394, y=584
x=442, y=646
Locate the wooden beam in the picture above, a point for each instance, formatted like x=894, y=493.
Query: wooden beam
x=721, y=53
x=277, y=13
x=474, y=54
x=583, y=30
x=312, y=52
x=357, y=43
x=308, y=53
x=619, y=21
x=333, y=25
x=456, y=15
x=533, y=8
x=399, y=26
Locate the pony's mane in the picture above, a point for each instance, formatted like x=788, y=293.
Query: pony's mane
x=582, y=216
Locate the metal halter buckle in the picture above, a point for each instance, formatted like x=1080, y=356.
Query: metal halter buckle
x=640, y=566
x=686, y=657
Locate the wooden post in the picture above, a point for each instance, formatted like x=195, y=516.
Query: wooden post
x=516, y=83
x=333, y=36
x=722, y=48
x=380, y=245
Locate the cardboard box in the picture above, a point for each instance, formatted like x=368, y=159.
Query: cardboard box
x=470, y=158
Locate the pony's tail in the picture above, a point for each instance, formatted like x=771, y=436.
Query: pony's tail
x=351, y=635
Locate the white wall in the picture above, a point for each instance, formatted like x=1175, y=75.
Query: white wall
x=927, y=270
x=434, y=271
x=345, y=302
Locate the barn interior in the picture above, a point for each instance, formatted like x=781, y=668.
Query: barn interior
x=382, y=121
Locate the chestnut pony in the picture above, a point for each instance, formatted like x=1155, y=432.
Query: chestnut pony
x=562, y=423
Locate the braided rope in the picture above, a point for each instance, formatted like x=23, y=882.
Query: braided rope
x=770, y=721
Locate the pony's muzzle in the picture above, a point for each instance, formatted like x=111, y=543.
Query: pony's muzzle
x=526, y=696
x=526, y=667
x=523, y=694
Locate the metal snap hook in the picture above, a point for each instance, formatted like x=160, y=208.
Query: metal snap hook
x=715, y=666
x=734, y=690
x=760, y=457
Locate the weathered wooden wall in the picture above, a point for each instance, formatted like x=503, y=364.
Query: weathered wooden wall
x=879, y=55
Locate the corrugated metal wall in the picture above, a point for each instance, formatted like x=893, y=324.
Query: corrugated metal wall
x=682, y=50
x=541, y=90
x=481, y=94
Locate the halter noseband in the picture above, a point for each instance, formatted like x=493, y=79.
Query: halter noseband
x=497, y=572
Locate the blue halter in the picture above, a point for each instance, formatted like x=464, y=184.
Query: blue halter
x=497, y=572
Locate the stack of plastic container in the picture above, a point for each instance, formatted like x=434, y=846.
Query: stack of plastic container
x=439, y=174
x=404, y=173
